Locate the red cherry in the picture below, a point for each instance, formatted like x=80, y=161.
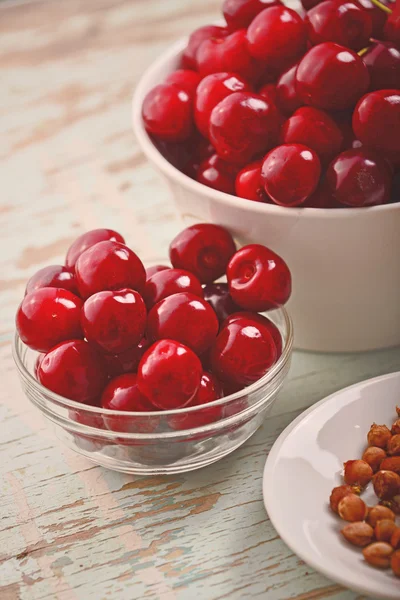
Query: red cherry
x=383, y=63
x=47, y=317
x=122, y=393
x=309, y=4
x=343, y=23
x=210, y=390
x=391, y=31
x=242, y=126
x=218, y=174
x=75, y=370
x=277, y=36
x=150, y=271
x=321, y=198
x=169, y=282
x=377, y=15
x=201, y=151
x=258, y=278
x=109, y=266
x=359, y=178
x=327, y=68
x=248, y=183
x=286, y=93
x=240, y=13
x=228, y=54
x=184, y=79
x=52, y=276
x=313, y=128
x=126, y=362
x=88, y=239
x=185, y=318
x=114, y=320
x=376, y=120
x=203, y=249
x=261, y=320
x=268, y=92
x=243, y=352
x=218, y=296
x=211, y=91
x=196, y=38
x=290, y=174
x=38, y=362
x=169, y=374
x=167, y=113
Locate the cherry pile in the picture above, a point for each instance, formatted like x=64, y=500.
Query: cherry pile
x=373, y=528
x=277, y=108
x=111, y=333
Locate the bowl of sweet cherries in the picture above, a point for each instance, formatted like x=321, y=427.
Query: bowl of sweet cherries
x=156, y=370
x=284, y=127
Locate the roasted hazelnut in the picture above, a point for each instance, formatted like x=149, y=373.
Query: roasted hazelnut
x=379, y=435
x=374, y=456
x=337, y=494
x=384, y=530
x=391, y=463
x=395, y=563
x=393, y=447
x=378, y=513
x=395, y=539
x=386, y=484
x=359, y=533
x=352, y=508
x=378, y=554
x=396, y=427
x=357, y=472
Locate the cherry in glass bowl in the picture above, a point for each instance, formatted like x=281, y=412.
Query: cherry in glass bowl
x=159, y=442
x=344, y=261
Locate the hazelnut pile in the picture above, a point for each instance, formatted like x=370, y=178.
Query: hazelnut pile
x=373, y=528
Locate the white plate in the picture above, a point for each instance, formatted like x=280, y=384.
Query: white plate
x=304, y=465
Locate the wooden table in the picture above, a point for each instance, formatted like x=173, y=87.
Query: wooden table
x=69, y=162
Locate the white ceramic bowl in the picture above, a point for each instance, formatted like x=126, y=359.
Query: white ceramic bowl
x=344, y=262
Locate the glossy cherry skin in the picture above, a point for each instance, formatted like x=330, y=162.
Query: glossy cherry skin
x=184, y=79
x=377, y=15
x=261, y=320
x=167, y=113
x=75, y=370
x=383, y=63
x=212, y=89
x=331, y=77
x=197, y=37
x=343, y=23
x=210, y=390
x=169, y=374
x=169, y=282
x=47, y=317
x=392, y=29
x=359, y=178
x=114, y=320
x=218, y=296
x=248, y=183
x=240, y=13
x=228, y=54
x=258, y=278
x=243, y=352
x=315, y=129
x=287, y=99
x=52, y=276
x=204, y=250
x=126, y=362
x=185, y=318
x=88, y=239
x=150, y=271
x=242, y=126
x=218, y=174
x=109, y=266
x=376, y=120
x=277, y=36
x=290, y=174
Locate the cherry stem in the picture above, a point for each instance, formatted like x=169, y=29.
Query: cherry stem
x=363, y=51
x=382, y=6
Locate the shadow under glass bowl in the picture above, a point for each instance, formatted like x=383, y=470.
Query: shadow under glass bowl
x=159, y=442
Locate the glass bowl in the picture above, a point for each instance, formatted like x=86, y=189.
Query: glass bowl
x=160, y=442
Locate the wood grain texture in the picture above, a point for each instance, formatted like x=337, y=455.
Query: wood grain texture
x=69, y=162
